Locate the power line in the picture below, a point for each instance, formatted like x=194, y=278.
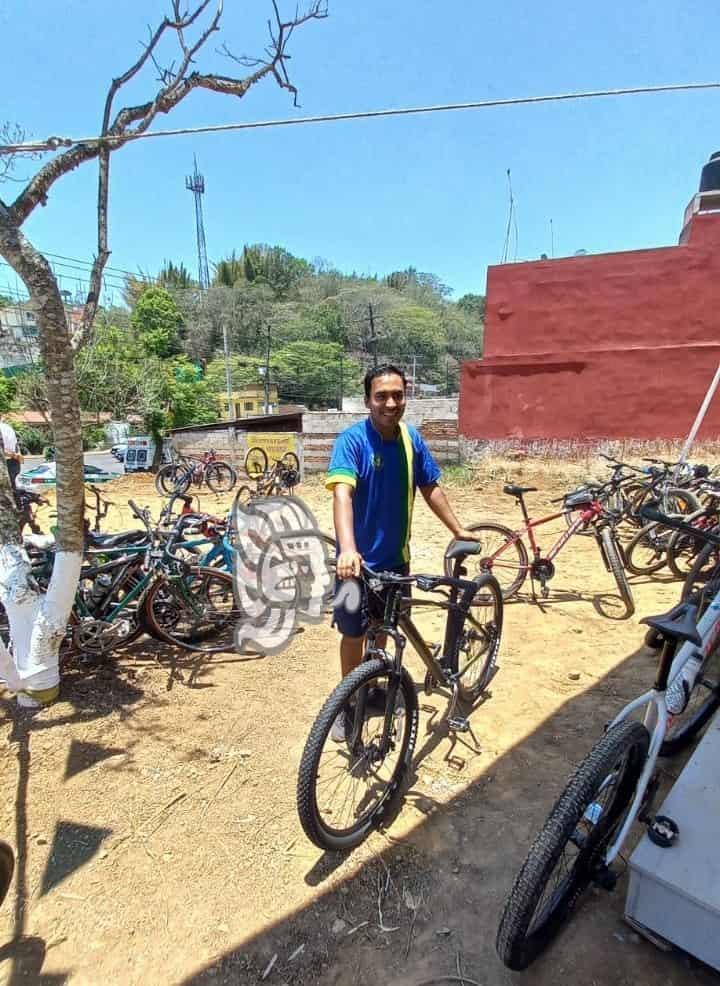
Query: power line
x=54, y=143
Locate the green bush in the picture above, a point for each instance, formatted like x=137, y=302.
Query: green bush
x=93, y=436
x=34, y=439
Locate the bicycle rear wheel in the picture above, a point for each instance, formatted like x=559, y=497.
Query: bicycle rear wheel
x=682, y=551
x=510, y=567
x=195, y=611
x=220, y=477
x=7, y=868
x=570, y=846
x=704, y=575
x=256, y=462
x=346, y=789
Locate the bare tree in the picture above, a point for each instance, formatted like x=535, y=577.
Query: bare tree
x=37, y=622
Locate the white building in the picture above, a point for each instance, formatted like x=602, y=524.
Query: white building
x=18, y=335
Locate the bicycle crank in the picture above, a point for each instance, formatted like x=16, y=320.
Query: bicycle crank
x=98, y=637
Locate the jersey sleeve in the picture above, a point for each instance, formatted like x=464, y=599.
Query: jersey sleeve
x=427, y=470
x=344, y=463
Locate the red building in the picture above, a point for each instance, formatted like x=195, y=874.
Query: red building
x=615, y=345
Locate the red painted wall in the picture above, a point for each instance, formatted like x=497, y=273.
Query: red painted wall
x=618, y=345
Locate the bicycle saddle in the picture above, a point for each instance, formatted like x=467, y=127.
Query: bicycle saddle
x=96, y=540
x=459, y=548
x=679, y=623
x=518, y=490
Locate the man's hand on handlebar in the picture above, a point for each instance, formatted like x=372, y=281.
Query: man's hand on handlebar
x=348, y=564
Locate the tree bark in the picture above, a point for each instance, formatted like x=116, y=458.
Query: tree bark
x=38, y=621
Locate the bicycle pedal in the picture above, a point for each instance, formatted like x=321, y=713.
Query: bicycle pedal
x=663, y=831
x=459, y=724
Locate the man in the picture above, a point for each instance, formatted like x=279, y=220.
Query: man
x=375, y=468
x=12, y=452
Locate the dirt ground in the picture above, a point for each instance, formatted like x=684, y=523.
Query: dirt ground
x=153, y=807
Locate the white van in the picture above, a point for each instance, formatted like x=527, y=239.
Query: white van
x=140, y=453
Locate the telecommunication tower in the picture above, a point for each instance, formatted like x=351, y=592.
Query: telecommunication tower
x=195, y=183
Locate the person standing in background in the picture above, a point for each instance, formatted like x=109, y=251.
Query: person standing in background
x=13, y=459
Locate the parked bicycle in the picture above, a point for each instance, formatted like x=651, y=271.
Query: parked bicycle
x=347, y=789
x=281, y=478
x=177, y=477
x=503, y=551
x=617, y=781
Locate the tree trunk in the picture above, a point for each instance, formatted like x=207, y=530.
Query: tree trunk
x=38, y=621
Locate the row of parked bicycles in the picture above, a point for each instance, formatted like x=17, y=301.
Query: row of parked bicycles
x=188, y=471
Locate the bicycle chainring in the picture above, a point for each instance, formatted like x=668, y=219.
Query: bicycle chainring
x=98, y=637
x=542, y=570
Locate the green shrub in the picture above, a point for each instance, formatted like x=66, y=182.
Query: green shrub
x=34, y=439
x=93, y=436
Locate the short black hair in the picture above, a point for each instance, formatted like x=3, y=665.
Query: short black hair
x=381, y=371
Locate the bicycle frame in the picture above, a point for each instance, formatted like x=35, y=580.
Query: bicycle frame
x=656, y=716
x=592, y=512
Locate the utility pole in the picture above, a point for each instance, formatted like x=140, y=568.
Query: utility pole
x=228, y=375
x=414, y=386
x=373, y=337
x=267, y=373
x=342, y=389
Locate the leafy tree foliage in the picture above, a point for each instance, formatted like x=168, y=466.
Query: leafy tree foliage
x=157, y=321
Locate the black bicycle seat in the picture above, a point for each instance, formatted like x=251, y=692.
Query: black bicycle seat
x=679, y=623
x=518, y=490
x=97, y=540
x=458, y=549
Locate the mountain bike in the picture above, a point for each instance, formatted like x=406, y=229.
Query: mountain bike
x=616, y=782
x=347, y=789
x=503, y=551
x=177, y=477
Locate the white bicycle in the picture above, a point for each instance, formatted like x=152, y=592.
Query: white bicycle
x=617, y=781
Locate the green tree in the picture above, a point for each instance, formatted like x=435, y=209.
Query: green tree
x=7, y=393
x=473, y=304
x=310, y=373
x=172, y=276
x=157, y=320
x=274, y=266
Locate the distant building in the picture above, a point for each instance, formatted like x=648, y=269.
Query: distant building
x=19, y=346
x=18, y=336
x=248, y=402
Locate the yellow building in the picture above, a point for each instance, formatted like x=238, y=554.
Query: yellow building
x=248, y=401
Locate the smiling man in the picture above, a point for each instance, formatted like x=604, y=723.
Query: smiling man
x=375, y=468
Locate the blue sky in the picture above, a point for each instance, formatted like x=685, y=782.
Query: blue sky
x=374, y=196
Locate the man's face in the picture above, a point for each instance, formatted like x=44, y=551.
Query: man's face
x=387, y=401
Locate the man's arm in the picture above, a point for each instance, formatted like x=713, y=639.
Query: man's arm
x=438, y=503
x=348, y=561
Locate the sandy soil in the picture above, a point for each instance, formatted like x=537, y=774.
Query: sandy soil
x=153, y=807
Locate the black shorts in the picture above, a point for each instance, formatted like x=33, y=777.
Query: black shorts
x=356, y=607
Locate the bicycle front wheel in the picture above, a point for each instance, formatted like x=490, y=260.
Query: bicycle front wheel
x=195, y=611
x=571, y=845
x=220, y=477
x=479, y=639
x=256, y=462
x=500, y=553
x=647, y=551
x=614, y=560
x=704, y=575
x=347, y=788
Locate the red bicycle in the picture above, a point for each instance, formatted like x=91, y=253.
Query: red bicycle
x=503, y=552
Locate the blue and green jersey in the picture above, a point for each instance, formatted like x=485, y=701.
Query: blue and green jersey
x=384, y=476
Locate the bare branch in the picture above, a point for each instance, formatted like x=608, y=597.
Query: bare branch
x=276, y=52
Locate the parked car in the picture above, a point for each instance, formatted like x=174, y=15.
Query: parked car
x=118, y=451
x=45, y=475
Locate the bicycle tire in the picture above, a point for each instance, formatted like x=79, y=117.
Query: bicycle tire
x=705, y=570
x=478, y=564
x=168, y=616
x=519, y=941
x=678, y=500
x=320, y=832
x=214, y=477
x=291, y=461
x=646, y=552
x=683, y=549
x=172, y=479
x=488, y=634
x=256, y=462
x=614, y=560
x=7, y=868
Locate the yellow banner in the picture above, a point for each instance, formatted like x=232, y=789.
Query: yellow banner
x=275, y=443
